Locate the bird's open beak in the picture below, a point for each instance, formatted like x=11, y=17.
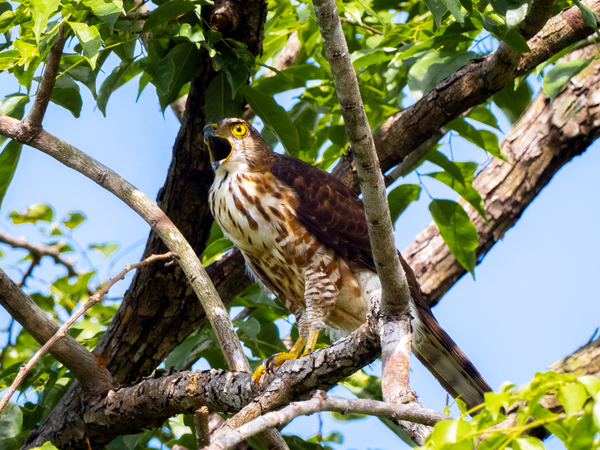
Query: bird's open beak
x=219, y=147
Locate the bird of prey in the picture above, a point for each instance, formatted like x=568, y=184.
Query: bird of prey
x=304, y=235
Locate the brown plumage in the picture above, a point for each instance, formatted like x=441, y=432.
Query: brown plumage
x=304, y=235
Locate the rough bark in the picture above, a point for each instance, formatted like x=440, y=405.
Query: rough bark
x=159, y=309
x=548, y=136
x=150, y=402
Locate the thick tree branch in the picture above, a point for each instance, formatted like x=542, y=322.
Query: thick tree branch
x=84, y=365
x=547, y=137
x=321, y=402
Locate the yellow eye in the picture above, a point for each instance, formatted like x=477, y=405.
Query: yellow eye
x=239, y=130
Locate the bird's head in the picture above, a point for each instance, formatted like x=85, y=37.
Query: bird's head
x=235, y=145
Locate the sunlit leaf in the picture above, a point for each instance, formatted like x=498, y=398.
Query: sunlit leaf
x=108, y=11
x=90, y=40
x=11, y=421
x=73, y=220
x=35, y=213
x=106, y=249
x=432, y=68
x=41, y=11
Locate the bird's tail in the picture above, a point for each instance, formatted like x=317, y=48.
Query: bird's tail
x=444, y=359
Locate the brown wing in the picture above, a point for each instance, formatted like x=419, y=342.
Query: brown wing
x=328, y=209
x=335, y=214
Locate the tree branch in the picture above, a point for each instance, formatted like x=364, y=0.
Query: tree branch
x=83, y=365
x=32, y=124
x=39, y=251
x=395, y=332
x=473, y=84
x=24, y=370
x=321, y=402
x=571, y=123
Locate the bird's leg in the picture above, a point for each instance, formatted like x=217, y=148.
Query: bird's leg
x=320, y=294
x=278, y=359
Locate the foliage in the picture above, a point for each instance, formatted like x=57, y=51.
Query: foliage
x=507, y=414
x=417, y=45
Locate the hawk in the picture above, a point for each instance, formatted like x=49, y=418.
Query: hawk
x=304, y=235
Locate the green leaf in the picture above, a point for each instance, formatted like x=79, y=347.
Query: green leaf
x=11, y=421
x=435, y=66
x=528, y=443
x=347, y=416
x=591, y=383
x=108, y=11
x=572, y=396
x=513, y=99
x=250, y=327
x=106, y=249
x=482, y=114
x=35, y=213
x=556, y=79
x=589, y=17
x=9, y=158
x=236, y=64
x=13, y=106
x=184, y=350
x=450, y=432
x=438, y=9
x=111, y=83
x=596, y=410
x=185, y=57
x=402, y=196
x=41, y=11
x=74, y=219
x=8, y=59
x=439, y=159
x=90, y=40
x=466, y=191
x=79, y=69
x=168, y=11
x=457, y=230
x=162, y=72
x=66, y=94
x=275, y=118
x=455, y=9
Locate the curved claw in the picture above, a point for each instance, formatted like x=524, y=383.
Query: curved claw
x=271, y=363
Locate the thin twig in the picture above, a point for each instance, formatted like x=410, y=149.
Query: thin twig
x=33, y=122
x=361, y=25
x=24, y=370
x=322, y=402
x=39, y=251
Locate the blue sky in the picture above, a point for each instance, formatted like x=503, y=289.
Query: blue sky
x=533, y=302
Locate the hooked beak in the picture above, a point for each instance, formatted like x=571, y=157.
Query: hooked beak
x=219, y=147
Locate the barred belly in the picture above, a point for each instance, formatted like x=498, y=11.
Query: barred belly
x=257, y=213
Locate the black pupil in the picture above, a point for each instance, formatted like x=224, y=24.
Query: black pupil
x=238, y=129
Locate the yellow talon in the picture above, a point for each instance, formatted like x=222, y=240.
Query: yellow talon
x=277, y=360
